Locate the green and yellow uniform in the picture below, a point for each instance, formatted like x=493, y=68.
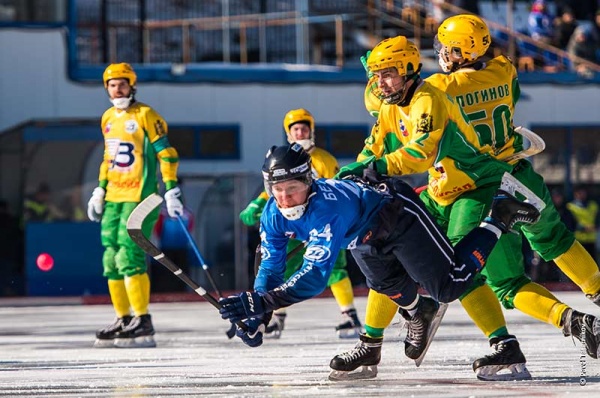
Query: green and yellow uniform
x=135, y=146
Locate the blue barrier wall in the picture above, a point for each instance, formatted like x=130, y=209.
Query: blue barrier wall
x=77, y=271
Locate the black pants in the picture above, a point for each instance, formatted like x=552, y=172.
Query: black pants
x=412, y=249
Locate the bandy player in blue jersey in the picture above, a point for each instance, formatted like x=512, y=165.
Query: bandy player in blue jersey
x=393, y=239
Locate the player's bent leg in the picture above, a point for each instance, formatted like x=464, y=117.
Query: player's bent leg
x=581, y=268
x=365, y=355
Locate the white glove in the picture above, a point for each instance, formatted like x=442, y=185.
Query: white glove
x=174, y=205
x=96, y=204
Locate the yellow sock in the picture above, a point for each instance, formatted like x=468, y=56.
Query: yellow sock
x=118, y=296
x=581, y=268
x=342, y=291
x=138, y=291
x=484, y=309
x=380, y=311
x=537, y=302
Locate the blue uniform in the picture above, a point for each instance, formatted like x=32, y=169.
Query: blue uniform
x=390, y=234
x=338, y=214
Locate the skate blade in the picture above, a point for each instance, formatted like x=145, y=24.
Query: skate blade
x=348, y=333
x=273, y=335
x=435, y=324
x=137, y=342
x=366, y=372
x=104, y=343
x=516, y=371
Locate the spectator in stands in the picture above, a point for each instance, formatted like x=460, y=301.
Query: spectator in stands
x=564, y=26
x=583, y=10
x=560, y=202
x=38, y=207
x=539, y=23
x=585, y=212
x=582, y=44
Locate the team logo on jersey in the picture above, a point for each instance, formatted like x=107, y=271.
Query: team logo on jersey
x=107, y=128
x=264, y=253
x=160, y=128
x=425, y=124
x=131, y=126
x=403, y=129
x=317, y=253
x=290, y=234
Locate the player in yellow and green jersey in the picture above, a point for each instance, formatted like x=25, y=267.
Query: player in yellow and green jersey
x=299, y=125
x=488, y=92
x=135, y=146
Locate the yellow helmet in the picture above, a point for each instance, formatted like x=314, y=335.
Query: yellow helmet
x=298, y=115
x=467, y=33
x=119, y=71
x=396, y=52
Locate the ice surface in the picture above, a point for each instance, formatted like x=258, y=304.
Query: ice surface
x=46, y=351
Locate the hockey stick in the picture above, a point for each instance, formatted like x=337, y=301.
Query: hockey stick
x=134, y=228
x=536, y=146
x=231, y=331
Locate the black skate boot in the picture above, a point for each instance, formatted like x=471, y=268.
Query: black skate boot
x=585, y=328
x=507, y=210
x=137, y=334
x=421, y=327
x=105, y=337
x=507, y=355
x=275, y=326
x=366, y=353
x=349, y=327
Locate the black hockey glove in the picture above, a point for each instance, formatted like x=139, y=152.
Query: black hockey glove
x=243, y=306
x=253, y=337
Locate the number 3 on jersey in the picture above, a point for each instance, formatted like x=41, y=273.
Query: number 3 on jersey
x=121, y=153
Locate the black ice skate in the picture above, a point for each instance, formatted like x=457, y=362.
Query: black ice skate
x=105, y=337
x=421, y=327
x=595, y=298
x=585, y=328
x=275, y=326
x=137, y=334
x=349, y=327
x=507, y=355
x=507, y=210
x=366, y=353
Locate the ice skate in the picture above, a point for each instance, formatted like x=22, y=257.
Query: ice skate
x=350, y=326
x=275, y=326
x=138, y=334
x=585, y=328
x=507, y=210
x=365, y=355
x=105, y=337
x=594, y=298
x=507, y=356
x=421, y=327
